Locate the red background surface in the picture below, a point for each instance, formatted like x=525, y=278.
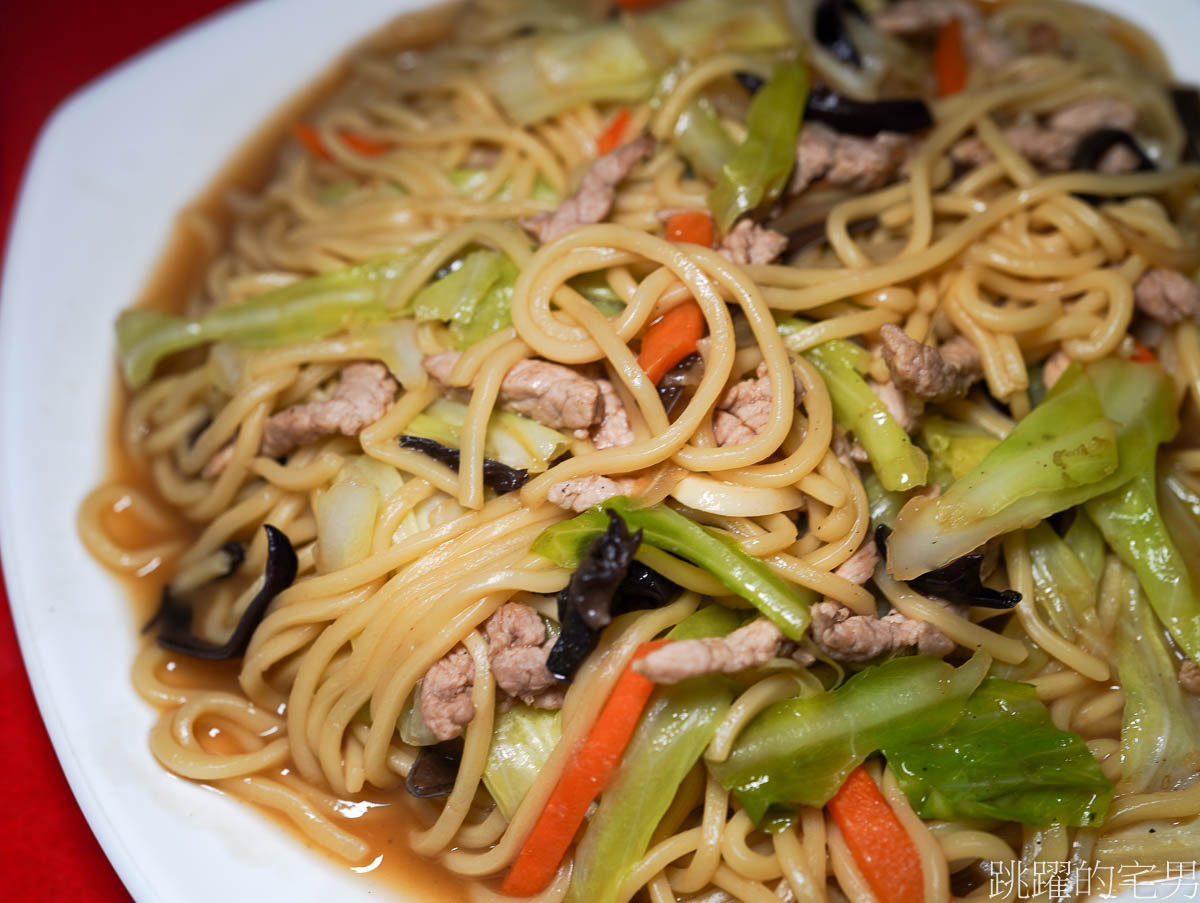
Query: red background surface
x=48, y=48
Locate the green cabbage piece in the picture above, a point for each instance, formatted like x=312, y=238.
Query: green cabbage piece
x=801, y=750
x=898, y=463
x=512, y=439
x=759, y=169
x=1004, y=760
x=548, y=73
x=1090, y=435
x=1160, y=730
x=522, y=740
x=474, y=298
x=310, y=309
x=667, y=529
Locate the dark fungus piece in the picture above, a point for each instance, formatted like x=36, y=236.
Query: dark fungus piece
x=435, y=769
x=1093, y=146
x=174, y=616
x=957, y=582
x=829, y=28
x=496, y=476
x=866, y=118
x=749, y=81
x=680, y=380
x=601, y=571
x=607, y=583
x=1186, y=100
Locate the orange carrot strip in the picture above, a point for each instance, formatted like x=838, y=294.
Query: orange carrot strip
x=670, y=339
x=311, y=139
x=882, y=849
x=308, y=136
x=613, y=132
x=695, y=226
x=586, y=774
x=1142, y=354
x=950, y=60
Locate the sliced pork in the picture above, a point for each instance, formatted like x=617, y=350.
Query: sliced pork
x=934, y=374
x=1167, y=295
x=593, y=200
x=364, y=392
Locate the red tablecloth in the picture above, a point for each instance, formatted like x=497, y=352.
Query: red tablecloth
x=48, y=48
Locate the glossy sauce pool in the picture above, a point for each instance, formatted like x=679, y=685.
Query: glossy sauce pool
x=384, y=820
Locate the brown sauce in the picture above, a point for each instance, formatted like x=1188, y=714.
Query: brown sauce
x=196, y=237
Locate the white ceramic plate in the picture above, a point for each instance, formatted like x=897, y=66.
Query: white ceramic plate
x=110, y=170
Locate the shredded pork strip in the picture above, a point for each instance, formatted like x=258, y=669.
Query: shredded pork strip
x=934, y=374
x=593, y=199
x=364, y=392
x=1167, y=296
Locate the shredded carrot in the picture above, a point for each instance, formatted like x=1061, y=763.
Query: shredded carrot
x=670, y=339
x=1142, y=354
x=613, y=132
x=588, y=771
x=695, y=226
x=882, y=849
x=311, y=139
x=950, y=60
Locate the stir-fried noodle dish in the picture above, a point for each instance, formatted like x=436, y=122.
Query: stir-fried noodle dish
x=693, y=451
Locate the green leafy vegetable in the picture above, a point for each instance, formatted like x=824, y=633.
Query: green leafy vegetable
x=512, y=439
x=759, y=168
x=1160, y=730
x=1133, y=528
x=545, y=74
x=899, y=464
x=1091, y=434
x=801, y=750
x=473, y=298
x=1087, y=542
x=702, y=140
x=1063, y=587
x=310, y=309
x=1004, y=760
x=666, y=529
x=522, y=740
x=958, y=447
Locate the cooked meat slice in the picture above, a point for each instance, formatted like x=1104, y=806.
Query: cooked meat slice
x=860, y=566
x=750, y=243
x=897, y=405
x=445, y=697
x=1118, y=159
x=919, y=17
x=849, y=637
x=1054, y=367
x=517, y=652
x=1084, y=116
x=744, y=411
x=614, y=430
x=1045, y=148
x=747, y=647
x=930, y=373
x=1052, y=146
x=1189, y=678
x=551, y=394
x=364, y=393
x=847, y=161
x=593, y=199
x=1167, y=295
x=581, y=493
